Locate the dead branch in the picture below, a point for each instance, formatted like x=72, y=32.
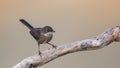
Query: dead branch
x=100, y=41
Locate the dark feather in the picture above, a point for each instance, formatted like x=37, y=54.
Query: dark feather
x=26, y=24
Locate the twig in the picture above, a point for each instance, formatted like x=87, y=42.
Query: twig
x=100, y=41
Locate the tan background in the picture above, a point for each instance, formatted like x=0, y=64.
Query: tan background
x=73, y=20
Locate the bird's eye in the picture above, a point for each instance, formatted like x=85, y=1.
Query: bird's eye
x=47, y=30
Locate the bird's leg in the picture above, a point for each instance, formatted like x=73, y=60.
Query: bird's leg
x=52, y=45
x=39, y=49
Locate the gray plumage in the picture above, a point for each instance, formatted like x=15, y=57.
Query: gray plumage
x=41, y=35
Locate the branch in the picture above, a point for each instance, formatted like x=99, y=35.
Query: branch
x=100, y=41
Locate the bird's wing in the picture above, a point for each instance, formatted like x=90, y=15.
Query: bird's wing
x=35, y=34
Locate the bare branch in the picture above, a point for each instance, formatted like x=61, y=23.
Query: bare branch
x=100, y=41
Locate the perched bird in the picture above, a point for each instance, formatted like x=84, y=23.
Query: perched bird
x=41, y=35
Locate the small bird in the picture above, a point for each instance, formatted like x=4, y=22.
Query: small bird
x=41, y=35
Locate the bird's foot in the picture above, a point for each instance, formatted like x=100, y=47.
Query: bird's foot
x=54, y=46
x=40, y=53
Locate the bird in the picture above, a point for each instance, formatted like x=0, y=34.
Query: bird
x=41, y=35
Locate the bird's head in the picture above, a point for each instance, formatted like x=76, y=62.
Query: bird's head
x=47, y=29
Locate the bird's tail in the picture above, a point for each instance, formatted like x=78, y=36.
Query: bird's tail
x=26, y=24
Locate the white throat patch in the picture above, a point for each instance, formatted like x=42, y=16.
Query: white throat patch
x=48, y=34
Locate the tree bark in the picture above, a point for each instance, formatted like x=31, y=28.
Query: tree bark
x=100, y=41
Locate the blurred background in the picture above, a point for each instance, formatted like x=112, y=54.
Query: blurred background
x=72, y=20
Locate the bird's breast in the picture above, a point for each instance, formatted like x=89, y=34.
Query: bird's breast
x=44, y=38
